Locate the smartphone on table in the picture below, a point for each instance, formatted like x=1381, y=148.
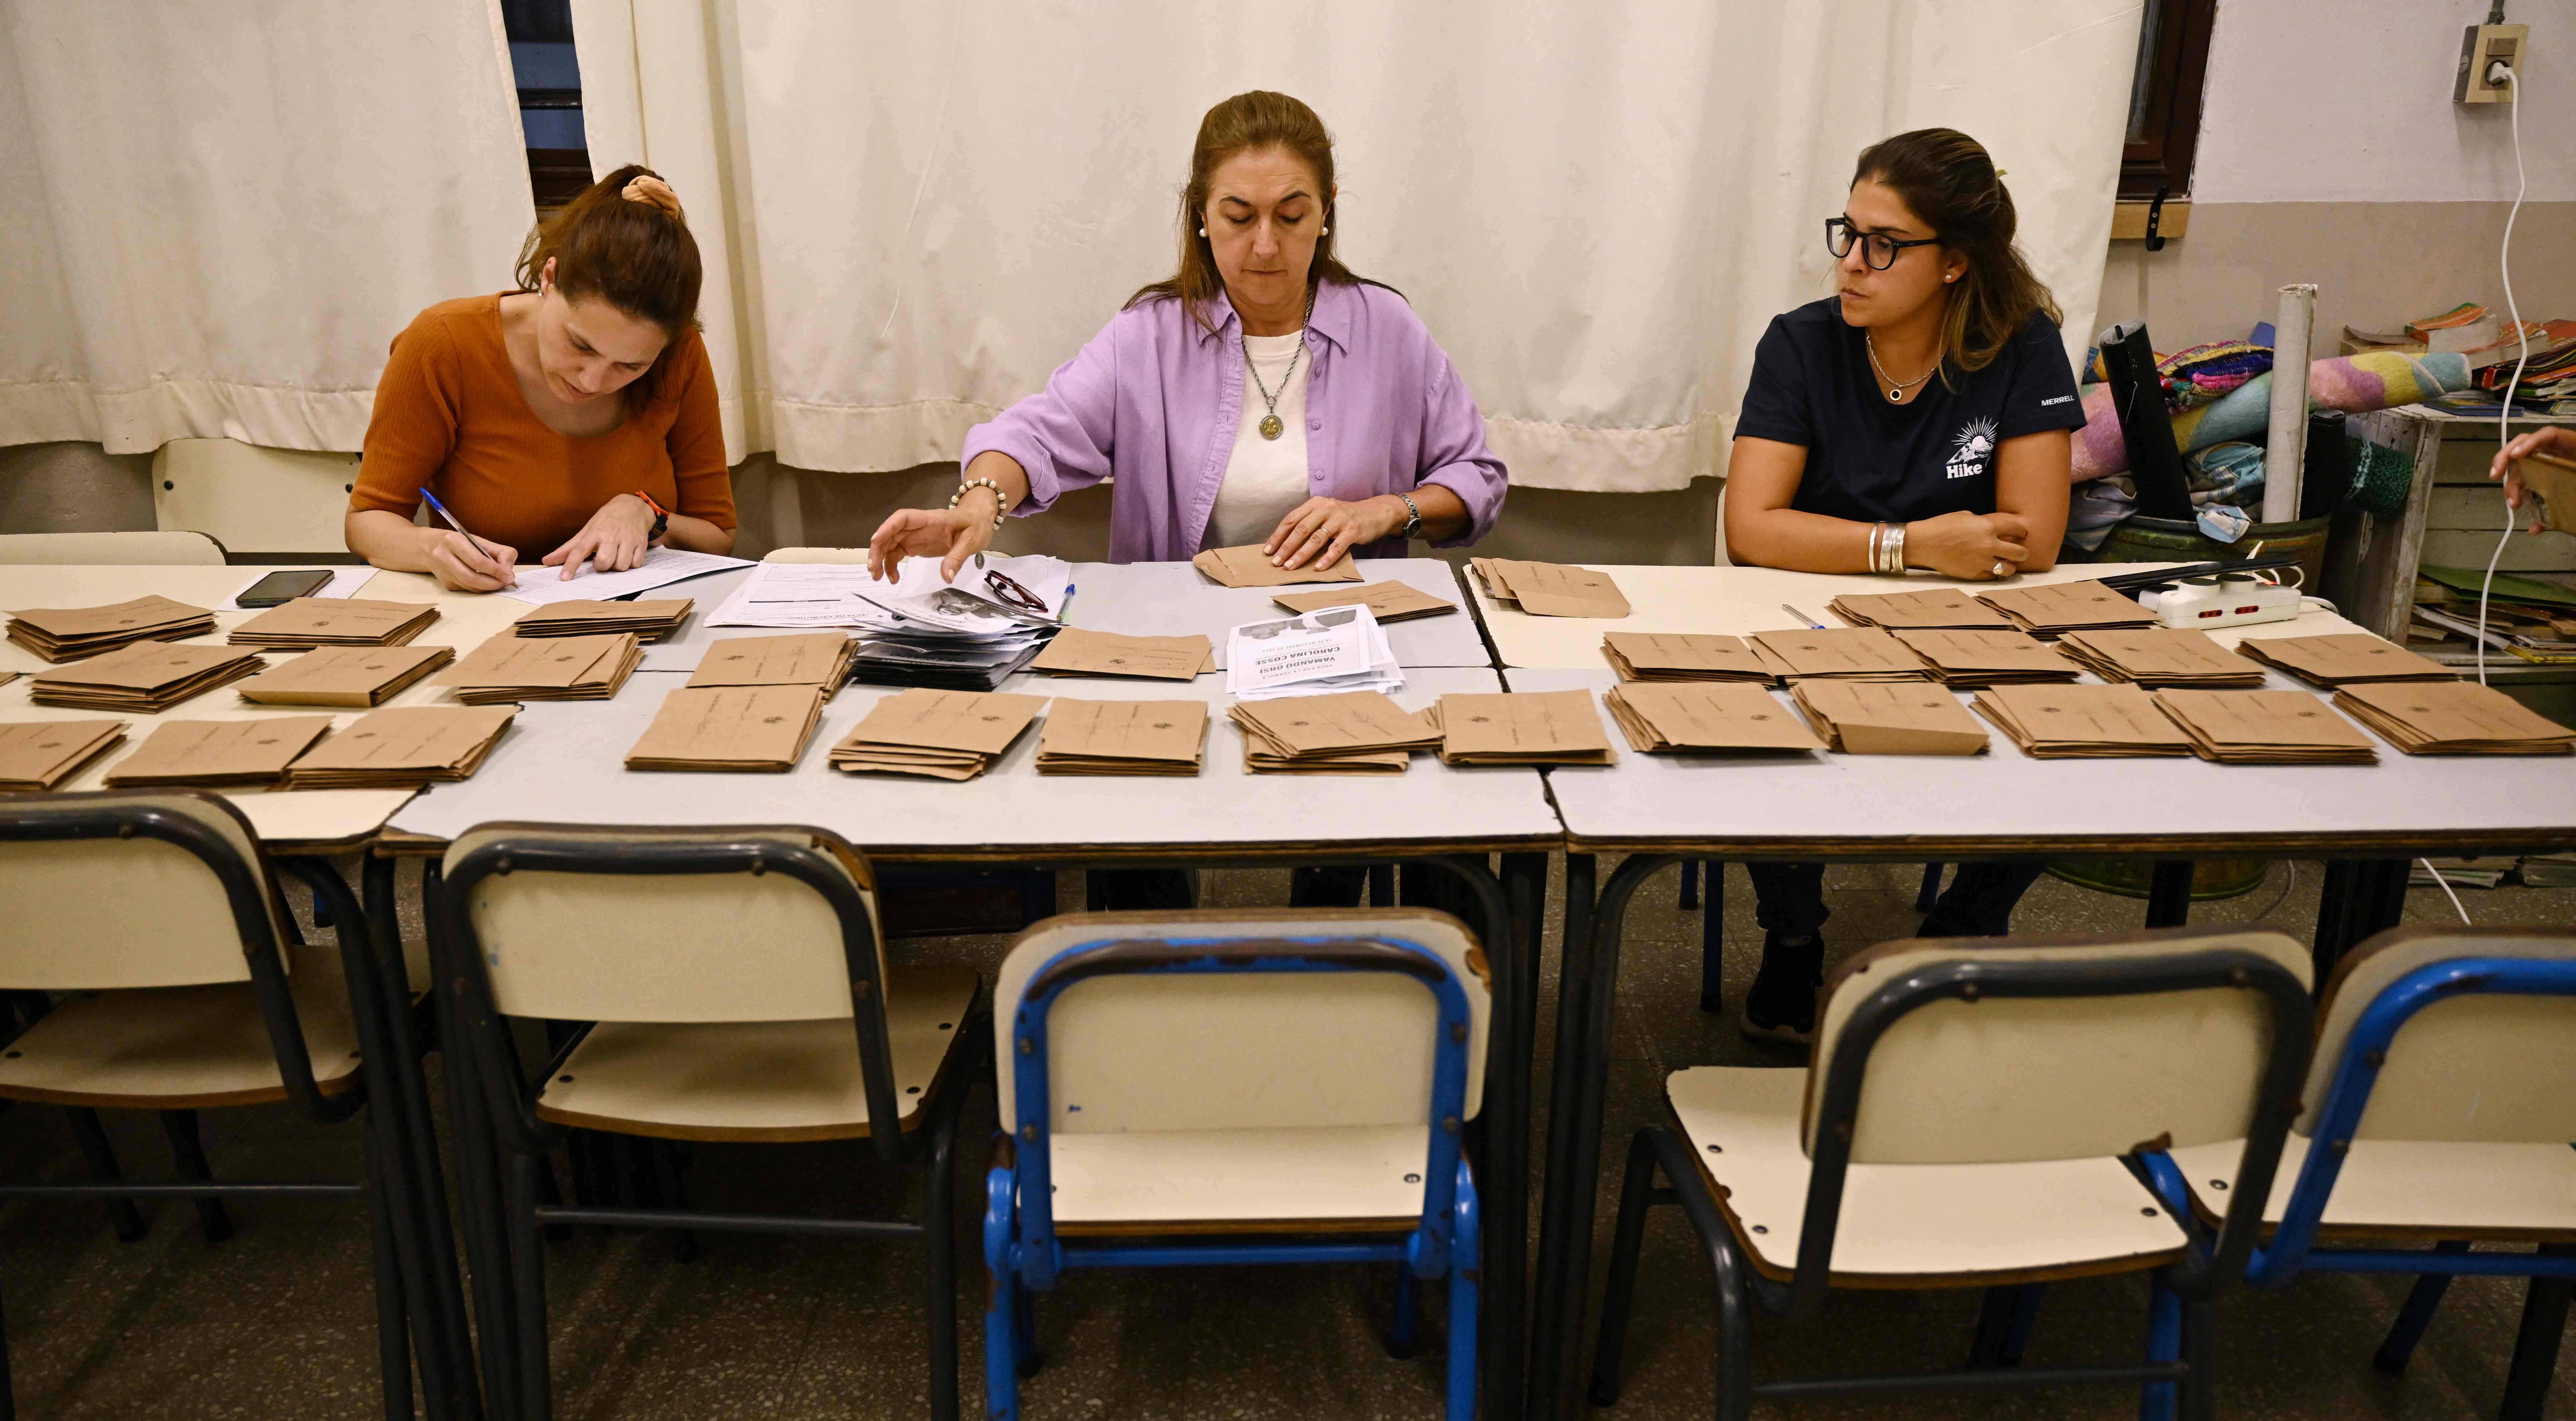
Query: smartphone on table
x=282, y=587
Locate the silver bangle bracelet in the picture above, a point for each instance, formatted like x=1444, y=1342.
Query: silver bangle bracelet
x=1893, y=546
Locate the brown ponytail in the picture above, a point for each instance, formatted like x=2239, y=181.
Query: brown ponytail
x=634, y=253
x=1950, y=182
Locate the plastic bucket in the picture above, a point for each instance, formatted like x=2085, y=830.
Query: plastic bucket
x=2144, y=539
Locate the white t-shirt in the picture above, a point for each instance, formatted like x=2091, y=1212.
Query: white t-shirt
x=1264, y=478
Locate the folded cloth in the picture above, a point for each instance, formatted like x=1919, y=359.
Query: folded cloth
x=2229, y=472
x=2355, y=384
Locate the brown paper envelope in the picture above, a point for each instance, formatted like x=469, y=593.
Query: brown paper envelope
x=44, y=753
x=1249, y=566
x=1522, y=723
x=1349, y=720
x=731, y=727
x=579, y=610
x=1387, y=601
x=1986, y=650
x=806, y=659
x=1080, y=651
x=1932, y=607
x=2067, y=604
x=2153, y=653
x=226, y=750
x=2343, y=657
x=1716, y=715
x=344, y=675
x=1881, y=718
x=1837, y=651
x=1552, y=589
x=2265, y=718
x=1685, y=651
x=2109, y=716
x=1125, y=730
x=2455, y=710
x=344, y=619
x=115, y=619
x=980, y=722
x=146, y=666
x=539, y=663
x=402, y=739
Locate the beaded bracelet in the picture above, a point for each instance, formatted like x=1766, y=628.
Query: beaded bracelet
x=1001, y=500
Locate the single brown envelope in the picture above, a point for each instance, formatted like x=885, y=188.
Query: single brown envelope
x=978, y=722
x=1932, y=607
x=2342, y=657
x=219, y=752
x=338, y=621
x=1508, y=724
x=1713, y=715
x=1125, y=730
x=548, y=663
x=1883, y=718
x=1647, y=653
x=398, y=742
x=1080, y=651
x=344, y=675
x=750, y=728
x=40, y=754
x=805, y=659
x=1388, y=601
x=1249, y=566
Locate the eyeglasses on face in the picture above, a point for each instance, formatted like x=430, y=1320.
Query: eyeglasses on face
x=1878, y=250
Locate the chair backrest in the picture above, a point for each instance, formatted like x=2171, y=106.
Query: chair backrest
x=608, y=931
x=2488, y=1063
x=165, y=549
x=1173, y=1050
x=117, y=889
x=258, y=500
x=2063, y=1048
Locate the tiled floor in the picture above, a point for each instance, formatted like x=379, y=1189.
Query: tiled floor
x=278, y=1322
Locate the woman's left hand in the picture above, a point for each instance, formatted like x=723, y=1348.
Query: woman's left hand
x=1320, y=530
x=612, y=541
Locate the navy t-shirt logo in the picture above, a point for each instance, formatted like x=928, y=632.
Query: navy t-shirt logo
x=1971, y=448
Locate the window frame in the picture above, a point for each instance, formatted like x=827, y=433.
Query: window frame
x=2162, y=159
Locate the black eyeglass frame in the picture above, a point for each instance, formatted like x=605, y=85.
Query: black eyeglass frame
x=1842, y=228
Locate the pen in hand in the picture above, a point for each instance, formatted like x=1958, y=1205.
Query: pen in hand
x=441, y=510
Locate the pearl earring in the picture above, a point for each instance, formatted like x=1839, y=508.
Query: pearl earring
x=1949, y=276
x=1326, y=232
x=1202, y=231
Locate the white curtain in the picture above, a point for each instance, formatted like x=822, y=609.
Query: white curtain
x=215, y=215
x=923, y=209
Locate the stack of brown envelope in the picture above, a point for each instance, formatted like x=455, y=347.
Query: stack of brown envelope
x=1522, y=728
x=344, y=675
x=2162, y=656
x=403, y=747
x=751, y=729
x=574, y=668
x=650, y=621
x=801, y=659
x=1660, y=718
x=1550, y=589
x=2081, y=722
x=1080, y=651
x=2343, y=659
x=1878, y=718
x=944, y=735
x=1933, y=607
x=70, y=633
x=1122, y=737
x=307, y=622
x=2265, y=728
x=1353, y=733
x=218, y=754
x=40, y=754
x=1838, y=653
x=2052, y=609
x=1386, y=601
x=2453, y=718
x=1682, y=656
x=1249, y=566
x=143, y=679
x=1988, y=658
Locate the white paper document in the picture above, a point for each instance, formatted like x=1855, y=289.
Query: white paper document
x=977, y=606
x=1319, y=653
x=345, y=582
x=662, y=567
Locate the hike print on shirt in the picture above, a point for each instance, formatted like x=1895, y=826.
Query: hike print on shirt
x=1971, y=449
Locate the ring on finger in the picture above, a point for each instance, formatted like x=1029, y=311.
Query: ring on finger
x=2001, y=567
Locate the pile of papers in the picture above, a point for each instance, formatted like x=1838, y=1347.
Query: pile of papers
x=2161, y=656
x=344, y=675
x=915, y=630
x=1937, y=607
x=70, y=633
x=145, y=678
x=1386, y=601
x=651, y=621
x=403, y=747
x=2082, y=722
x=573, y=668
x=661, y=567
x=749, y=729
x=1682, y=656
x=303, y=623
x=806, y=659
x=2549, y=870
x=2343, y=659
x=1522, y=728
x=1988, y=658
x=1877, y=718
x=2265, y=728
x=218, y=754
x=1550, y=589
x=2054, y=608
x=1663, y=719
x=1353, y=733
x=1838, y=653
x=40, y=754
x=1249, y=566
x=2453, y=718
x=1311, y=654
x=1122, y=738
x=1080, y=651
x=944, y=735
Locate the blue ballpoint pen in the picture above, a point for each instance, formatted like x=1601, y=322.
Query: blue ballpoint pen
x=441, y=510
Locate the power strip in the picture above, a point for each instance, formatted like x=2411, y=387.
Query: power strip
x=2232, y=603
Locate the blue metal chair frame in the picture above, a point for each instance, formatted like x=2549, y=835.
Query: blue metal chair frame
x=1026, y=1255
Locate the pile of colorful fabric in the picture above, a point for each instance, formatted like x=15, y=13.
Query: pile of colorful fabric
x=2354, y=384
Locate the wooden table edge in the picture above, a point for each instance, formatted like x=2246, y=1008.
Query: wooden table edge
x=2377, y=844
x=397, y=843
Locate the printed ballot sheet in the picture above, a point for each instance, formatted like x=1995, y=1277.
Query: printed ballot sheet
x=1316, y=653
x=791, y=594
x=662, y=567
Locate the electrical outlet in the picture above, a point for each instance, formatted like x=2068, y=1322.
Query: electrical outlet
x=2481, y=46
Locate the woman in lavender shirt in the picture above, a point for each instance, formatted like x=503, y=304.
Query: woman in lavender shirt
x=1263, y=394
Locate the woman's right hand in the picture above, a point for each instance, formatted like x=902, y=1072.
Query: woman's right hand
x=1968, y=546
x=2508, y=466
x=460, y=566
x=950, y=534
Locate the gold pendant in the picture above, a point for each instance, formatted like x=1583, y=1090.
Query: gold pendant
x=1270, y=426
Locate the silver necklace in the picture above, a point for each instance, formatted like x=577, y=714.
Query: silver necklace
x=1895, y=388
x=1270, y=426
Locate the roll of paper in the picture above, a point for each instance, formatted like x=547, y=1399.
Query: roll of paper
x=2285, y=451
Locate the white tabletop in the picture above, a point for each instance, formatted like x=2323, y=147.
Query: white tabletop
x=1933, y=806
x=564, y=761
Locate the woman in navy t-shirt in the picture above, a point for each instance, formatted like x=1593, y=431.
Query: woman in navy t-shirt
x=1918, y=418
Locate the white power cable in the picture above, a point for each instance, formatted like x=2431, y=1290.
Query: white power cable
x=2502, y=73
x=2445, y=885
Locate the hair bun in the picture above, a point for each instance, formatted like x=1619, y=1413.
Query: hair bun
x=655, y=193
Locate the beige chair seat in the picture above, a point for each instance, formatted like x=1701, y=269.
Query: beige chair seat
x=2415, y=1189
x=1326, y=1178
x=760, y=1080
x=176, y=1048
x=1911, y=1225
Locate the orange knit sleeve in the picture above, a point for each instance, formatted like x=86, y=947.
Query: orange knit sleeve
x=697, y=439
x=413, y=429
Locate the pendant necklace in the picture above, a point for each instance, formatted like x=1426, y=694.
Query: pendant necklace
x=1270, y=426
x=1895, y=389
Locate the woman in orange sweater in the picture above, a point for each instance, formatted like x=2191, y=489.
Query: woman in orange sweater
x=576, y=414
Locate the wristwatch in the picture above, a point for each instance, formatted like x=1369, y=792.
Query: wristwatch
x=1412, y=523
x=661, y=518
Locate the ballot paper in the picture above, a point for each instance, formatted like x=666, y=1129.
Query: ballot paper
x=2082, y=721
x=345, y=582
x=1249, y=566
x=1122, y=737
x=1522, y=728
x=1354, y=732
x=2453, y=718
x=1550, y=589
x=803, y=659
x=2265, y=728
x=1311, y=654
x=946, y=735
x=40, y=754
x=661, y=568
x=649, y=620
x=1842, y=653
x=741, y=729
x=302, y=623
x=218, y=754
x=1682, y=656
x=343, y=675
x=1081, y=651
x=403, y=747
x=2050, y=608
x=1662, y=718
x=2161, y=656
x=572, y=668
x=1882, y=718
x=1387, y=601
x=145, y=678
x=2343, y=658
x=1987, y=658
x=1933, y=607
x=70, y=633
x=916, y=630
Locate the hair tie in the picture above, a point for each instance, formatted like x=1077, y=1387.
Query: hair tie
x=654, y=193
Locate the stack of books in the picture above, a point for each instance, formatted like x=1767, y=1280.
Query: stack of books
x=1354, y=733
x=2082, y=722
x=1838, y=653
x=940, y=735
x=1682, y=656
x=1875, y=718
x=1663, y=719
x=70, y=633
x=509, y=669
x=1122, y=738
x=145, y=678
x=2343, y=659
x=40, y=754
x=650, y=621
x=1933, y=608
x=307, y=622
x=2265, y=728
x=218, y=754
x=2052, y=609
x=403, y=747
x=2162, y=656
x=743, y=729
x=1988, y=658
x=2453, y=718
